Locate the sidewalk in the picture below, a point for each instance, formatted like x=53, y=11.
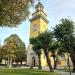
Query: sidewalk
x=58, y=71
x=64, y=73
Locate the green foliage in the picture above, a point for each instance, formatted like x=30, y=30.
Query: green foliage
x=1, y=53
x=15, y=48
x=25, y=72
x=37, y=48
x=46, y=39
x=54, y=46
x=21, y=53
x=65, y=27
x=12, y=12
x=36, y=45
x=64, y=32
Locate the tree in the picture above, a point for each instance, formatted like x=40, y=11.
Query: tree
x=36, y=48
x=12, y=12
x=46, y=39
x=64, y=33
x=1, y=55
x=54, y=50
x=14, y=48
x=9, y=53
x=21, y=53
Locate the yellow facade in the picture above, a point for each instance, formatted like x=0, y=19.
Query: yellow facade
x=38, y=24
x=41, y=27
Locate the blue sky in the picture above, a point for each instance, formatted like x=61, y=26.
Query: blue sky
x=55, y=9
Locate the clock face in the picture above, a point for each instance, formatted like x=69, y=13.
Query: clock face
x=34, y=28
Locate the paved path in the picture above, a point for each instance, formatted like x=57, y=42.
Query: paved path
x=58, y=71
x=64, y=73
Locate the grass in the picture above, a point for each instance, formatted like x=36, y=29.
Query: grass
x=24, y=72
x=65, y=69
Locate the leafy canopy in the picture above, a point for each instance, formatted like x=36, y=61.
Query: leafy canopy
x=12, y=12
x=36, y=45
x=64, y=33
x=14, y=47
x=46, y=39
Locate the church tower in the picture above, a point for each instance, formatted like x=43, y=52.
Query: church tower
x=38, y=24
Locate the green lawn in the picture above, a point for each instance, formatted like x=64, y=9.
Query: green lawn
x=65, y=69
x=24, y=72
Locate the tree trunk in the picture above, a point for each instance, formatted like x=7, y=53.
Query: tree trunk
x=74, y=66
x=8, y=63
x=48, y=61
x=39, y=58
x=21, y=62
x=55, y=62
x=73, y=60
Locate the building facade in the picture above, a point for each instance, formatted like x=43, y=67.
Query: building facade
x=38, y=24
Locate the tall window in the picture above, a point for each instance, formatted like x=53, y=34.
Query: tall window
x=34, y=28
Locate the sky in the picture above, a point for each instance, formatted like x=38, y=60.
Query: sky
x=55, y=10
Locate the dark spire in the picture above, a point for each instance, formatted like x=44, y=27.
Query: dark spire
x=39, y=6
